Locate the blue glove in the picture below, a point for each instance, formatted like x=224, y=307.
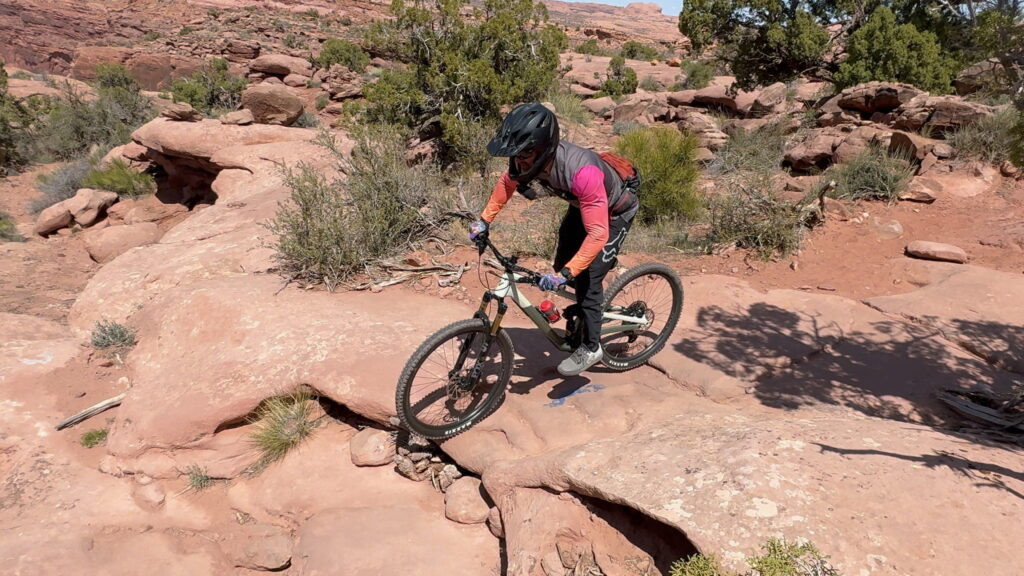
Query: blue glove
x=550, y=282
x=477, y=228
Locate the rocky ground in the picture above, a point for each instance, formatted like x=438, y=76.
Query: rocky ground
x=797, y=398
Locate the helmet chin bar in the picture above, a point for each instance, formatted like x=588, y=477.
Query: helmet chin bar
x=524, y=178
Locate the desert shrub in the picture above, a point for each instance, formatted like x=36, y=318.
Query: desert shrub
x=883, y=50
x=120, y=178
x=1017, y=141
x=306, y=120
x=110, y=334
x=989, y=139
x=197, y=478
x=349, y=55
x=345, y=21
x=668, y=171
x=291, y=41
x=621, y=78
x=8, y=231
x=634, y=50
x=590, y=47
x=621, y=127
x=331, y=230
x=780, y=558
x=322, y=101
x=650, y=84
x=14, y=124
x=461, y=69
x=873, y=174
x=569, y=107
x=534, y=232
x=210, y=89
x=61, y=184
x=698, y=565
x=755, y=151
x=698, y=75
x=280, y=424
x=94, y=438
x=748, y=214
x=467, y=141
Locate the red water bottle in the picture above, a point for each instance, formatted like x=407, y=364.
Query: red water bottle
x=550, y=311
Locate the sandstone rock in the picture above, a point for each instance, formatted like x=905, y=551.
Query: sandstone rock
x=372, y=447
x=131, y=153
x=149, y=496
x=770, y=98
x=494, y=523
x=813, y=152
x=939, y=113
x=874, y=97
x=464, y=502
x=181, y=111
x=936, y=251
x=810, y=92
x=681, y=98
x=237, y=118
x=151, y=209
x=296, y=80
x=281, y=65
x=157, y=71
x=343, y=83
x=582, y=91
x=1008, y=169
x=271, y=104
x=88, y=205
x=919, y=191
x=258, y=546
x=109, y=243
x=716, y=96
x=117, y=213
x=943, y=150
x=237, y=50
x=912, y=145
x=703, y=155
x=52, y=219
x=273, y=81
x=977, y=76
x=599, y=106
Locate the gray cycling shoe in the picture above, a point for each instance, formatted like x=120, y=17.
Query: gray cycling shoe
x=581, y=359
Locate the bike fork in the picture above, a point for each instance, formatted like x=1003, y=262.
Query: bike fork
x=492, y=327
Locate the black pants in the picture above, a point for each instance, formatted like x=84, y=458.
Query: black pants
x=590, y=282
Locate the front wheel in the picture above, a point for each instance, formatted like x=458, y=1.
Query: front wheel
x=651, y=291
x=452, y=382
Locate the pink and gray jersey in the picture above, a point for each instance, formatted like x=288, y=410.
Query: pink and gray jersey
x=580, y=177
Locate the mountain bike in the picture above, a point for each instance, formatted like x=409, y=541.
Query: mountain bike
x=459, y=375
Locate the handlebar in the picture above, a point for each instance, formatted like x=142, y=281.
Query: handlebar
x=483, y=242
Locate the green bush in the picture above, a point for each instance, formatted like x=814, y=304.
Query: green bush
x=621, y=78
x=458, y=67
x=109, y=334
x=883, y=50
x=94, y=438
x=668, y=171
x=634, y=50
x=778, y=51
x=307, y=120
x=590, y=47
x=120, y=178
x=61, y=184
x=322, y=101
x=698, y=565
x=698, y=75
x=197, y=478
x=569, y=107
x=990, y=139
x=467, y=141
x=780, y=558
x=349, y=55
x=210, y=89
x=649, y=84
x=330, y=231
x=8, y=231
x=14, y=124
x=760, y=150
x=872, y=174
x=75, y=125
x=280, y=424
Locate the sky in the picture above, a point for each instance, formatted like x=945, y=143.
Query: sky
x=669, y=7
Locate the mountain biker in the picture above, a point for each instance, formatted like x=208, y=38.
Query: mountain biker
x=601, y=209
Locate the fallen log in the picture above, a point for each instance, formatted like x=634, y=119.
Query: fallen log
x=91, y=411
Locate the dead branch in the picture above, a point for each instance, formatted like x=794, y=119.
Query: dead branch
x=91, y=411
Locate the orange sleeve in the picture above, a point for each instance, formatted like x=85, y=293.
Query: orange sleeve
x=588, y=186
x=500, y=196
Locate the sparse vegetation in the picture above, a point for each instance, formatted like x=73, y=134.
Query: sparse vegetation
x=634, y=50
x=591, y=48
x=349, y=55
x=621, y=78
x=989, y=139
x=119, y=177
x=322, y=101
x=198, y=479
x=698, y=75
x=307, y=120
x=569, y=107
x=650, y=84
x=62, y=183
x=873, y=174
x=280, y=424
x=329, y=231
x=668, y=171
x=14, y=120
x=210, y=90
x=758, y=151
x=780, y=558
x=109, y=335
x=8, y=231
x=94, y=438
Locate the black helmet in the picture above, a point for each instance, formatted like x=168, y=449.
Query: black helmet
x=527, y=127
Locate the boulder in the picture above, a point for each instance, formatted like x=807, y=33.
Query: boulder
x=681, y=98
x=52, y=219
x=874, y=97
x=770, y=99
x=814, y=151
x=272, y=104
x=88, y=205
x=977, y=76
x=151, y=209
x=237, y=118
x=296, y=80
x=238, y=50
x=936, y=251
x=582, y=91
x=156, y=71
x=913, y=146
x=182, y=112
x=281, y=65
x=343, y=83
x=109, y=243
x=465, y=503
x=939, y=113
x=372, y=447
x=257, y=546
x=810, y=92
x=600, y=106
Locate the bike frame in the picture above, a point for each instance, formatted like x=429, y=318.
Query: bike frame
x=507, y=288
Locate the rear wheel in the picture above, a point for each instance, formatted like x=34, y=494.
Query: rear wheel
x=450, y=383
x=651, y=291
